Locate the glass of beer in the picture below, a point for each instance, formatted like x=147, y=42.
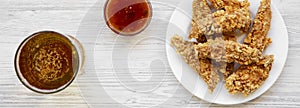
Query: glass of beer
x=47, y=61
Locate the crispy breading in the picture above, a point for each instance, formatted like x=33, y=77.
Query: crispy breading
x=202, y=66
x=227, y=51
x=206, y=23
x=229, y=66
x=223, y=67
x=194, y=33
x=221, y=4
x=249, y=78
x=233, y=14
x=226, y=68
x=209, y=73
x=257, y=37
x=202, y=20
x=230, y=21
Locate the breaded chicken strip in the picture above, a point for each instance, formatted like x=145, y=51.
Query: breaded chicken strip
x=202, y=66
x=227, y=51
x=257, y=37
x=207, y=23
x=232, y=15
x=202, y=20
x=249, y=78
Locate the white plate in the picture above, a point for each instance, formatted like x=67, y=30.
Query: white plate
x=180, y=24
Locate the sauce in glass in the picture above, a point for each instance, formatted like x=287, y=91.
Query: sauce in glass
x=127, y=17
x=47, y=61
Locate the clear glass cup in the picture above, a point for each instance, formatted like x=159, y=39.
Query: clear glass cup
x=127, y=17
x=48, y=62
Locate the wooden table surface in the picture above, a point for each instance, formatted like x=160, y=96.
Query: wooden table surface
x=20, y=18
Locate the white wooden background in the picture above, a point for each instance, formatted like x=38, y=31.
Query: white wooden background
x=20, y=18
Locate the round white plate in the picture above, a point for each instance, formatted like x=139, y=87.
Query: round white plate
x=180, y=24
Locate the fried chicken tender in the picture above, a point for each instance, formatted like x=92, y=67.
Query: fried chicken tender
x=202, y=20
x=201, y=24
x=232, y=15
x=249, y=78
x=207, y=23
x=257, y=37
x=202, y=66
x=227, y=51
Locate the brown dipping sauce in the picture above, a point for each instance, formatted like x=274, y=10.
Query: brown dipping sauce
x=47, y=60
x=127, y=17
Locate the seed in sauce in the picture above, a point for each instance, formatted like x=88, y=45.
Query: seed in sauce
x=127, y=17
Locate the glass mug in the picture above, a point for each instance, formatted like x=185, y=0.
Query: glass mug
x=48, y=62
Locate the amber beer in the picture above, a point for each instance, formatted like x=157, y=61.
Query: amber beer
x=47, y=62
